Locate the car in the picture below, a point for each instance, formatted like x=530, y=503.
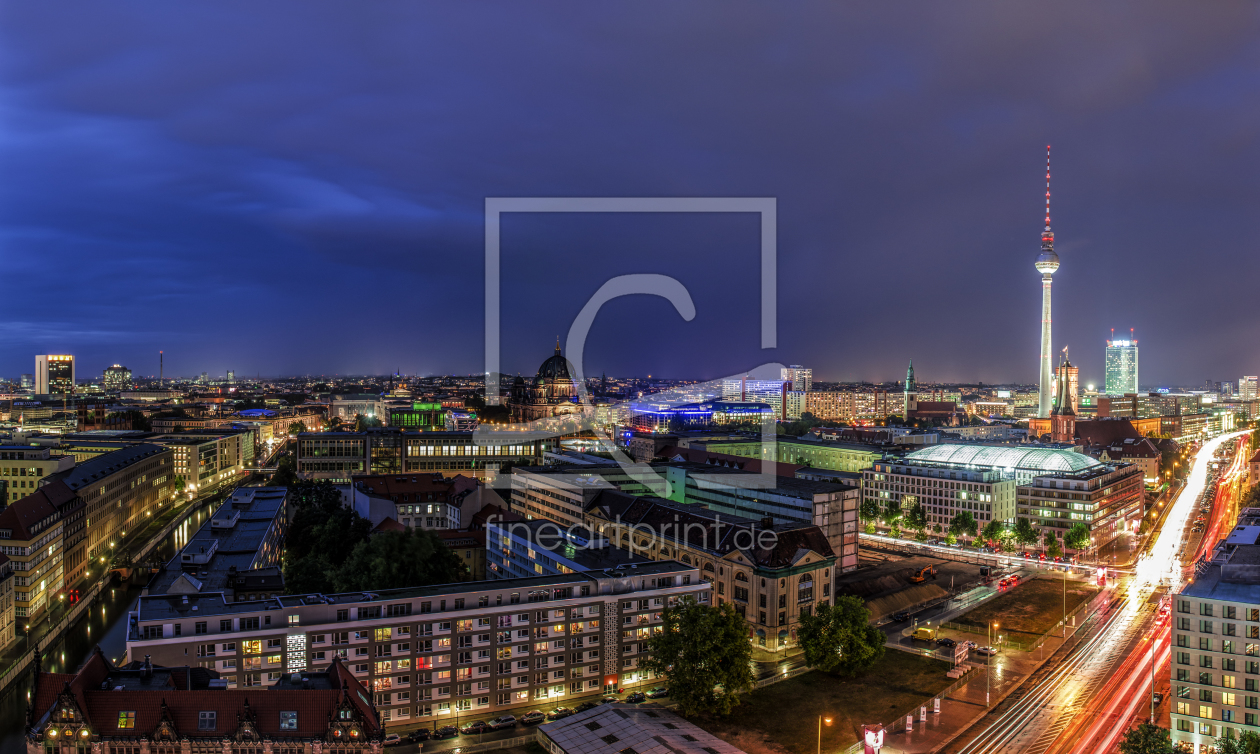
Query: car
x=945, y=641
x=584, y=706
x=985, y=651
x=502, y=722
x=901, y=616
x=658, y=692
x=475, y=727
x=608, y=699
x=636, y=698
x=1157, y=697
x=1013, y=579
x=970, y=644
x=392, y=739
x=532, y=718
x=559, y=713
x=416, y=736
x=1041, y=556
x=446, y=731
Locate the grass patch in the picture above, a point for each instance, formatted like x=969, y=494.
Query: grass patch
x=784, y=717
x=1030, y=609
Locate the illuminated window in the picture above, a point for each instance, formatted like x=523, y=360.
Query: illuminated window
x=127, y=719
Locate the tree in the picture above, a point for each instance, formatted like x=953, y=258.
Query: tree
x=840, y=638
x=1077, y=538
x=397, y=559
x=1247, y=743
x=701, y=649
x=362, y=422
x=868, y=510
x=963, y=524
x=994, y=531
x=1147, y=739
x=286, y=473
x=297, y=428
x=1024, y=532
x=1052, y=544
x=892, y=511
x=916, y=517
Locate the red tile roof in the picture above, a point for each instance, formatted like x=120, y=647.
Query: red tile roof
x=388, y=524
x=26, y=513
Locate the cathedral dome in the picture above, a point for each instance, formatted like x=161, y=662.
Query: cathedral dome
x=555, y=368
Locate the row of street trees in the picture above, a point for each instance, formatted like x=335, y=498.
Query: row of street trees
x=706, y=658
x=964, y=527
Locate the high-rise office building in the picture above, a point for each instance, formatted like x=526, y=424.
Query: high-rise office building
x=231, y=377
x=117, y=377
x=1121, y=367
x=1047, y=263
x=800, y=377
x=1247, y=388
x=28, y=382
x=54, y=374
x=773, y=392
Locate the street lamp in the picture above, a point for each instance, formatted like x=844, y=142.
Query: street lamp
x=822, y=720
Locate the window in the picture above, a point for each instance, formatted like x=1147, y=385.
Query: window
x=200, y=627
x=225, y=626
x=288, y=721
x=127, y=719
x=206, y=720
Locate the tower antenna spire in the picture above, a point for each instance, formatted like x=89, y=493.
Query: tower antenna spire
x=1047, y=188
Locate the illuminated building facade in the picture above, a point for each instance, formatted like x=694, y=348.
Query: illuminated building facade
x=802, y=378
x=54, y=374
x=1047, y=263
x=117, y=378
x=1121, y=367
x=553, y=391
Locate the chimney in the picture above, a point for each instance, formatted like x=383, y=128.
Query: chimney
x=147, y=671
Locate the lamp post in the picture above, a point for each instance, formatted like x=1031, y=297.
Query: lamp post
x=822, y=720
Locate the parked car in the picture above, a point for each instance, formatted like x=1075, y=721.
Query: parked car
x=609, y=699
x=970, y=644
x=393, y=739
x=636, y=698
x=475, y=727
x=985, y=651
x=532, y=718
x=1158, y=697
x=505, y=721
x=584, y=706
x=945, y=641
x=446, y=731
x=560, y=713
x=658, y=692
x=416, y=736
x=901, y=616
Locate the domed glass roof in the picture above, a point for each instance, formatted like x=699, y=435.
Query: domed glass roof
x=1025, y=459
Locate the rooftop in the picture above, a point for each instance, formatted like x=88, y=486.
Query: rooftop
x=95, y=469
x=1038, y=459
x=642, y=729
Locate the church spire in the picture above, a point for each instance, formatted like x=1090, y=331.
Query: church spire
x=557, y=345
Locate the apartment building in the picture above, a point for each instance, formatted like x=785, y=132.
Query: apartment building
x=31, y=537
x=208, y=457
x=563, y=494
x=8, y=612
x=120, y=490
x=23, y=468
x=421, y=501
x=237, y=552
x=773, y=573
x=1215, y=664
x=339, y=455
x=1108, y=498
x=430, y=653
x=162, y=710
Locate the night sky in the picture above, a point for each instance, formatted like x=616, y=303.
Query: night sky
x=297, y=188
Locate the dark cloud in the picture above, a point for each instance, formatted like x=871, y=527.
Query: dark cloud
x=298, y=187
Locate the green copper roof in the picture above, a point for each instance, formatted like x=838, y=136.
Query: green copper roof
x=1026, y=459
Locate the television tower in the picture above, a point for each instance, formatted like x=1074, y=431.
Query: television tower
x=1047, y=263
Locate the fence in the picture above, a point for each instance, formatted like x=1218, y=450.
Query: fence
x=85, y=603
x=761, y=684
x=505, y=743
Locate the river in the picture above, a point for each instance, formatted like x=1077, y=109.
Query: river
x=103, y=624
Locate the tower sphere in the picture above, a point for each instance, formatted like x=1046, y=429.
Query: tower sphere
x=1047, y=262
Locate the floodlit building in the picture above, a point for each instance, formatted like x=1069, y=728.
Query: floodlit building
x=1215, y=662
x=772, y=392
x=1121, y=367
x=54, y=374
x=1047, y=263
x=339, y=455
x=802, y=378
x=1247, y=388
x=117, y=378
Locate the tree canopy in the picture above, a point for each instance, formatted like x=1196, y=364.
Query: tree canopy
x=1247, y=743
x=1024, y=532
x=868, y=510
x=1077, y=538
x=916, y=517
x=1147, y=739
x=396, y=559
x=704, y=653
x=297, y=427
x=840, y=638
x=963, y=524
